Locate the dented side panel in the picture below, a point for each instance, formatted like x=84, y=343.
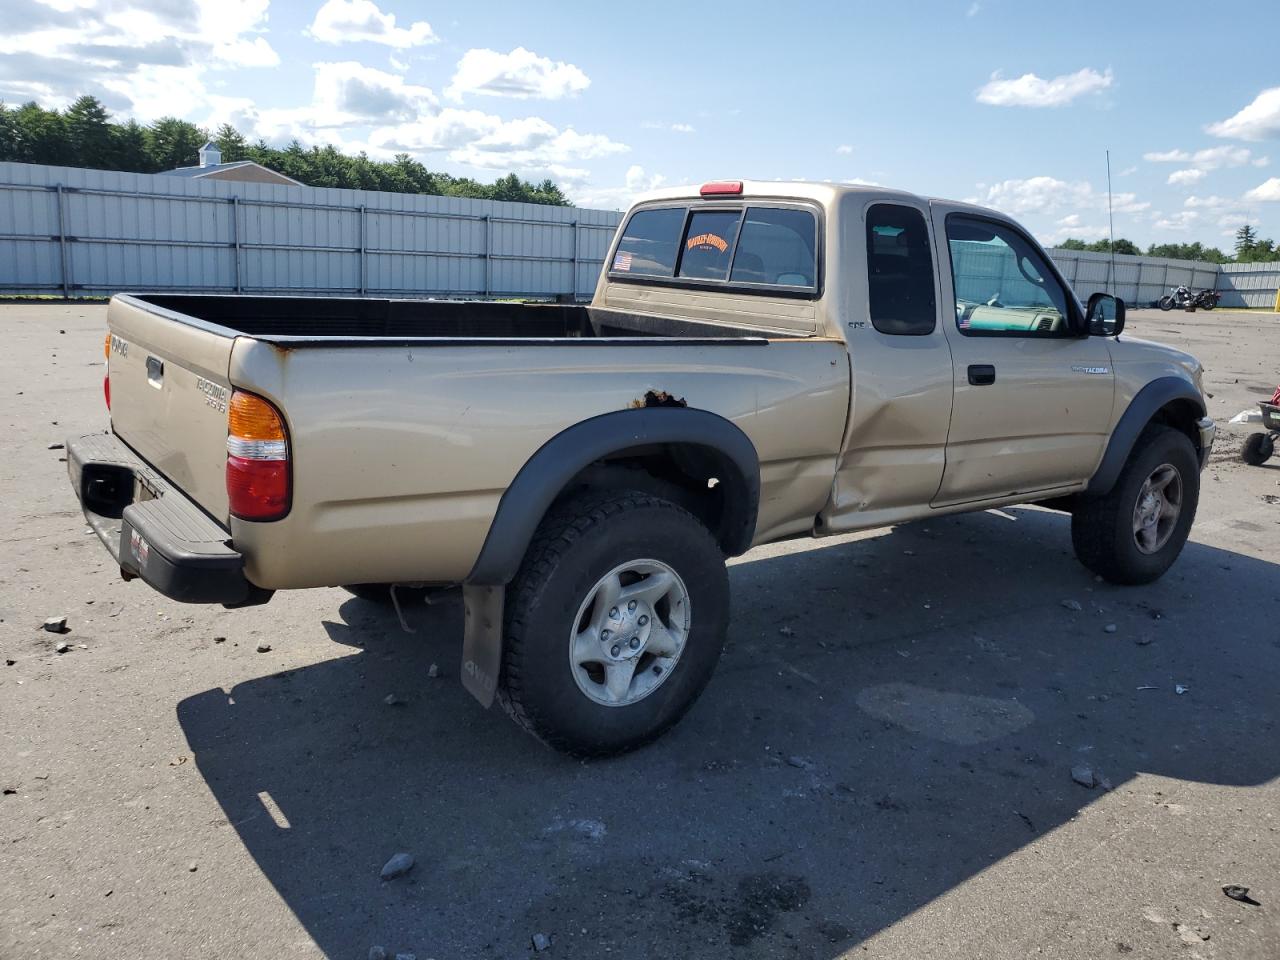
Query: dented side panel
x=401, y=453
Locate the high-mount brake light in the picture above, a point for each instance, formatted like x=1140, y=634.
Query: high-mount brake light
x=722, y=188
x=258, y=471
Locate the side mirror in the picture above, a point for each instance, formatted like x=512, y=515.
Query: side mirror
x=1104, y=316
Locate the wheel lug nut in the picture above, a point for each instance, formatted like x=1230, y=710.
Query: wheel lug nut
x=613, y=614
x=642, y=621
x=635, y=642
x=615, y=650
x=605, y=634
x=631, y=605
x=657, y=670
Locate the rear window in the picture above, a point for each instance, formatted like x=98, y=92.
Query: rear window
x=708, y=244
x=777, y=247
x=766, y=246
x=649, y=247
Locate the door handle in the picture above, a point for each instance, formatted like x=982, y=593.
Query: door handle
x=981, y=374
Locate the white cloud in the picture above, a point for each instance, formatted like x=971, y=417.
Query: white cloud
x=1071, y=225
x=350, y=93
x=1260, y=120
x=1128, y=171
x=1050, y=195
x=1207, y=203
x=483, y=140
x=844, y=148
x=638, y=181
x=520, y=74
x=352, y=21
x=141, y=58
x=1266, y=192
x=1030, y=90
x=1183, y=220
x=1211, y=158
x=673, y=127
x=1185, y=177
x=973, y=10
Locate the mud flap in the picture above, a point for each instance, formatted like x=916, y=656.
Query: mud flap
x=482, y=641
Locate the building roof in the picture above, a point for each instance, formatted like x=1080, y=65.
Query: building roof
x=196, y=172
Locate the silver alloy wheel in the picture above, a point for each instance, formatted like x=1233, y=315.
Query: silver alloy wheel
x=629, y=632
x=1155, y=515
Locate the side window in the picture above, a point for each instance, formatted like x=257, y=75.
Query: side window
x=899, y=271
x=708, y=244
x=1002, y=284
x=650, y=244
x=776, y=247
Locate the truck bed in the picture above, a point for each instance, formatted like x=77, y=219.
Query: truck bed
x=299, y=320
x=407, y=420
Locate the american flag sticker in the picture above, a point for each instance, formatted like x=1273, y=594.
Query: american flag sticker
x=622, y=261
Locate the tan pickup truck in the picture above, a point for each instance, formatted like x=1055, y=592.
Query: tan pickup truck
x=760, y=361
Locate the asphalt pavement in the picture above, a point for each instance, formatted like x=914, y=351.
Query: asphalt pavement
x=881, y=767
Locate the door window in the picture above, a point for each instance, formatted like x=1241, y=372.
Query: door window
x=1003, y=287
x=899, y=271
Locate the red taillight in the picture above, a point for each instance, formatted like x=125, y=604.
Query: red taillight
x=106, y=377
x=106, y=390
x=257, y=489
x=258, y=475
x=722, y=188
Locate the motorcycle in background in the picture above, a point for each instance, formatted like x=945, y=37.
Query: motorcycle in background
x=1184, y=298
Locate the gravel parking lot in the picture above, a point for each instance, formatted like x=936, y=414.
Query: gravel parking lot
x=882, y=766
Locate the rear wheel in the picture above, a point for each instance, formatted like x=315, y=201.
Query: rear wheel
x=614, y=623
x=1257, y=449
x=1134, y=533
x=1165, y=302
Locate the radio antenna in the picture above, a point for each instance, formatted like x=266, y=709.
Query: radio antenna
x=1111, y=225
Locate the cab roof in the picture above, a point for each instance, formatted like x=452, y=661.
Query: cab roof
x=823, y=192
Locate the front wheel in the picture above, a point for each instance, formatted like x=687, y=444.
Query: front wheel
x=1165, y=302
x=614, y=623
x=1134, y=533
x=1257, y=449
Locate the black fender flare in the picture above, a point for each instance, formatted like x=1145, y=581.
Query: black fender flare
x=545, y=475
x=1144, y=406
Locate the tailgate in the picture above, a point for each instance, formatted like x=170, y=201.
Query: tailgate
x=169, y=395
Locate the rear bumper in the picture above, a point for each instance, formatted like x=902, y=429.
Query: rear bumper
x=1208, y=430
x=154, y=531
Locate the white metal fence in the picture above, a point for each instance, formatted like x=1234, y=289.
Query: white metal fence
x=1249, y=284
x=1142, y=280
x=1136, y=280
x=77, y=232
x=88, y=232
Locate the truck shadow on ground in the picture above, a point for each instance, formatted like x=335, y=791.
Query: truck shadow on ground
x=892, y=716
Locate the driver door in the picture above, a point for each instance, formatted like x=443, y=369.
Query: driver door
x=1032, y=397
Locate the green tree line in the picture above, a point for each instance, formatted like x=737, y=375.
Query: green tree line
x=84, y=135
x=1249, y=248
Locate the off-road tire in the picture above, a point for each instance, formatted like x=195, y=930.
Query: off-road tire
x=1102, y=527
x=1257, y=449
x=578, y=543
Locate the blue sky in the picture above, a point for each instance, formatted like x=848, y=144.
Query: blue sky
x=1008, y=103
